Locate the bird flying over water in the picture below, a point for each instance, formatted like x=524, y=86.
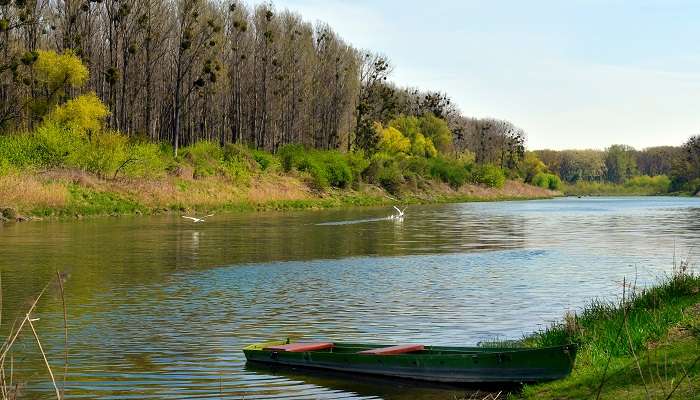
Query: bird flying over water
x=400, y=214
x=197, y=220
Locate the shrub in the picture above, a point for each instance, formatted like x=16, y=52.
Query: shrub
x=290, y=156
x=419, y=166
x=264, y=159
x=390, y=178
x=489, y=175
x=19, y=151
x=326, y=168
x=546, y=181
x=102, y=154
x=336, y=168
x=658, y=184
x=54, y=144
x=204, y=156
x=84, y=113
x=146, y=160
x=358, y=164
x=313, y=167
x=391, y=140
x=451, y=172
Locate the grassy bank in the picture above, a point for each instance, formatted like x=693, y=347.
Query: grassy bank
x=71, y=193
x=637, y=186
x=647, y=346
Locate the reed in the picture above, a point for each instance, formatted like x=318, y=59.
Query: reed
x=9, y=386
x=644, y=346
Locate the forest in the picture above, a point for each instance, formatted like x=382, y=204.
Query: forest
x=153, y=87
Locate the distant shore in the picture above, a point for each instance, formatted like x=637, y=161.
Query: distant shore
x=64, y=193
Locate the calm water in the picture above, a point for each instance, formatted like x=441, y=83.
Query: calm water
x=160, y=308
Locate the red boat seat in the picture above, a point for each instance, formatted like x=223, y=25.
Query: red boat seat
x=301, y=347
x=401, y=349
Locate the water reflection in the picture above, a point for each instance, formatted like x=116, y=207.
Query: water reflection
x=159, y=308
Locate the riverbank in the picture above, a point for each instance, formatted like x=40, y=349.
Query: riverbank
x=76, y=194
x=645, y=347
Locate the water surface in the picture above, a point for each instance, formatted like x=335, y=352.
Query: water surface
x=160, y=307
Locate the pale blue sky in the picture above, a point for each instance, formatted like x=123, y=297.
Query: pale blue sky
x=572, y=73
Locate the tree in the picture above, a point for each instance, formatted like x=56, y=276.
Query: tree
x=620, y=163
x=373, y=72
x=686, y=172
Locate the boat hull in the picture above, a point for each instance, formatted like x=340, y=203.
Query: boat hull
x=434, y=364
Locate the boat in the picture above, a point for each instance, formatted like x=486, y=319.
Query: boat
x=468, y=365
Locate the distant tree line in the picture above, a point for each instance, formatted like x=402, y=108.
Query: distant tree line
x=181, y=71
x=619, y=163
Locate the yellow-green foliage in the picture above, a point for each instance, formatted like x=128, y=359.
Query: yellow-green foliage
x=205, y=157
x=547, y=181
x=56, y=70
x=411, y=127
x=146, y=160
x=489, y=175
x=437, y=131
x=391, y=140
x=102, y=154
x=422, y=146
x=84, y=113
x=531, y=166
x=659, y=184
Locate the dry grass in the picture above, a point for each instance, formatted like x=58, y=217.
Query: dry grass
x=74, y=192
x=25, y=191
x=510, y=189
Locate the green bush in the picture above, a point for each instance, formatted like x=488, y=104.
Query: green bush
x=55, y=144
x=204, y=156
x=391, y=178
x=103, y=154
x=658, y=184
x=358, y=164
x=419, y=166
x=264, y=159
x=489, y=175
x=546, y=181
x=19, y=151
x=146, y=160
x=449, y=171
x=291, y=155
x=326, y=168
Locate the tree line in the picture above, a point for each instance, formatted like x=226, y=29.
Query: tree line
x=619, y=163
x=180, y=71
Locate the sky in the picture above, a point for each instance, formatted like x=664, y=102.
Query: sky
x=571, y=73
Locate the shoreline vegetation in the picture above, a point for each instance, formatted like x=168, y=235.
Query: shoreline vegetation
x=644, y=346
x=64, y=193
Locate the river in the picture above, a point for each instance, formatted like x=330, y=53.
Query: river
x=160, y=308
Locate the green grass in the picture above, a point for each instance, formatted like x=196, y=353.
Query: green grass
x=639, y=348
x=636, y=186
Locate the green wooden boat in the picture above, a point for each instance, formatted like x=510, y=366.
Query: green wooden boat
x=425, y=363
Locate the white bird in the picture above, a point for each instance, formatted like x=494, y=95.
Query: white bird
x=196, y=220
x=400, y=214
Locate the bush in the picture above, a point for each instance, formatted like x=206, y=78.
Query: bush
x=327, y=168
x=489, y=175
x=102, y=154
x=19, y=151
x=54, y=144
x=451, y=172
x=82, y=114
x=658, y=184
x=205, y=157
x=390, y=178
x=546, y=181
x=358, y=164
x=146, y=160
x=291, y=155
